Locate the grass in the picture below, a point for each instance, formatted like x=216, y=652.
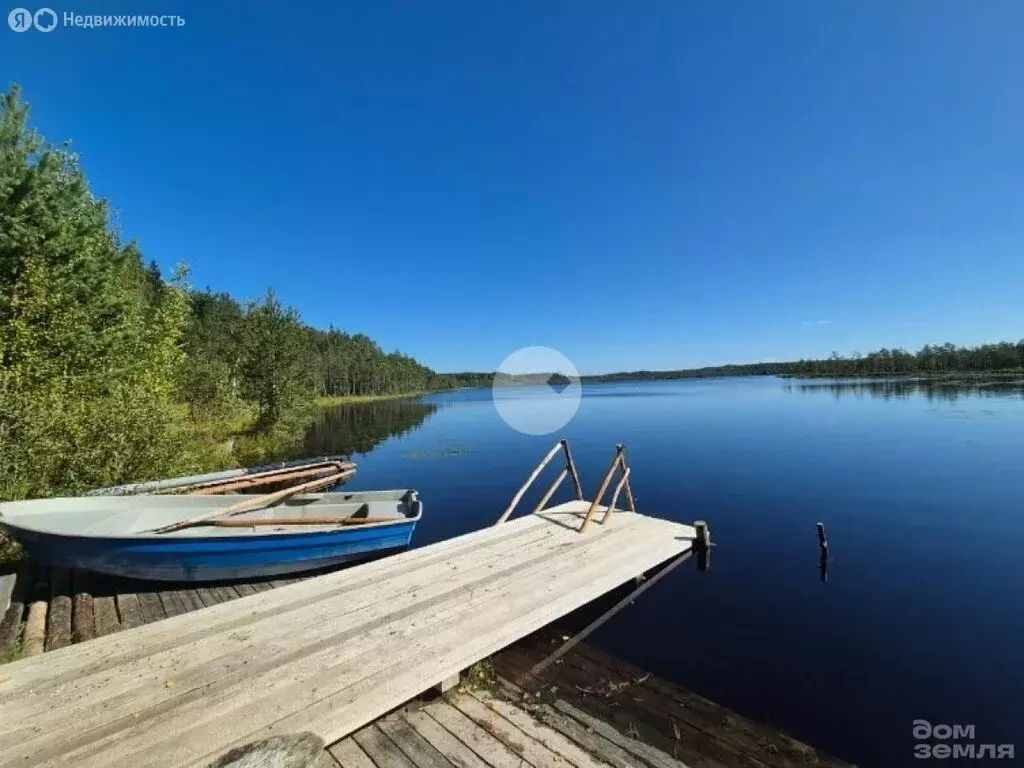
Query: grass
x=16, y=649
x=331, y=401
x=10, y=550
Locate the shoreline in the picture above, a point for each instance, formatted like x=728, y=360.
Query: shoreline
x=331, y=401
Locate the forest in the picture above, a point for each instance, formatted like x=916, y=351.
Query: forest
x=929, y=360
x=111, y=372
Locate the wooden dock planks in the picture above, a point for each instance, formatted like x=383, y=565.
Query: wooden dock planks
x=358, y=643
x=478, y=729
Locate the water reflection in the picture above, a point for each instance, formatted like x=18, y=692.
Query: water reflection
x=361, y=427
x=942, y=390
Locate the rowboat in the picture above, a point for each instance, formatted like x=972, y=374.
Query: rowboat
x=199, y=538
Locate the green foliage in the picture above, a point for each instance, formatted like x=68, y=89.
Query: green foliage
x=89, y=347
x=109, y=373
x=273, y=370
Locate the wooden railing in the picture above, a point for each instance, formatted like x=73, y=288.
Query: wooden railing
x=569, y=471
x=619, y=463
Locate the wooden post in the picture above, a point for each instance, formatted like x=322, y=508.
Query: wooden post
x=616, y=462
x=615, y=496
x=35, y=624
x=822, y=552
x=629, y=488
x=551, y=491
x=571, y=466
x=448, y=683
x=529, y=481
x=702, y=543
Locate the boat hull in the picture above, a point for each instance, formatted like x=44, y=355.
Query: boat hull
x=182, y=558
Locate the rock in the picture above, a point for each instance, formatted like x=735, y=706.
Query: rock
x=299, y=750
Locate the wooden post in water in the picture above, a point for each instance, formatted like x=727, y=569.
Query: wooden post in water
x=702, y=543
x=822, y=552
x=571, y=466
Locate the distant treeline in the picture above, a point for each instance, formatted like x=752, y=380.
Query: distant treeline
x=930, y=359
x=263, y=352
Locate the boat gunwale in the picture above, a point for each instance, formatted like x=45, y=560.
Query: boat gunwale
x=241, y=533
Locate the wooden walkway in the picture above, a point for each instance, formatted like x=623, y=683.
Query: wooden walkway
x=327, y=655
x=588, y=710
x=50, y=608
x=607, y=692
x=481, y=728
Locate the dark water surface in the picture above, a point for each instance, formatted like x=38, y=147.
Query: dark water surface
x=921, y=488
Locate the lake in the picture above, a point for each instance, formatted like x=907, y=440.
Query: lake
x=920, y=487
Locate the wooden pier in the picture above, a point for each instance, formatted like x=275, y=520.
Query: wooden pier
x=330, y=671
x=326, y=655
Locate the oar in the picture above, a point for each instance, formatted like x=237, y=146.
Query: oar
x=305, y=521
x=250, y=505
x=263, y=478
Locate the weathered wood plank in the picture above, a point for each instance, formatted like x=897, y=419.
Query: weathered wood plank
x=244, y=590
x=83, y=622
x=444, y=741
x=348, y=754
x=623, y=707
x=209, y=596
x=508, y=734
x=129, y=609
x=592, y=741
x=709, y=728
x=647, y=753
x=548, y=737
x=172, y=602
x=6, y=590
x=58, y=624
x=487, y=747
x=35, y=622
x=104, y=611
x=151, y=606
x=10, y=629
x=191, y=599
x=381, y=749
x=226, y=594
x=416, y=748
x=11, y=622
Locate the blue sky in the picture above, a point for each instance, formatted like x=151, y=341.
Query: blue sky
x=654, y=184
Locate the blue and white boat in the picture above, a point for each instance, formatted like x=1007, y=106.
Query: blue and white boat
x=118, y=534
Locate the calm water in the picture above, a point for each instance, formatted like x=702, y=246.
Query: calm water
x=921, y=489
